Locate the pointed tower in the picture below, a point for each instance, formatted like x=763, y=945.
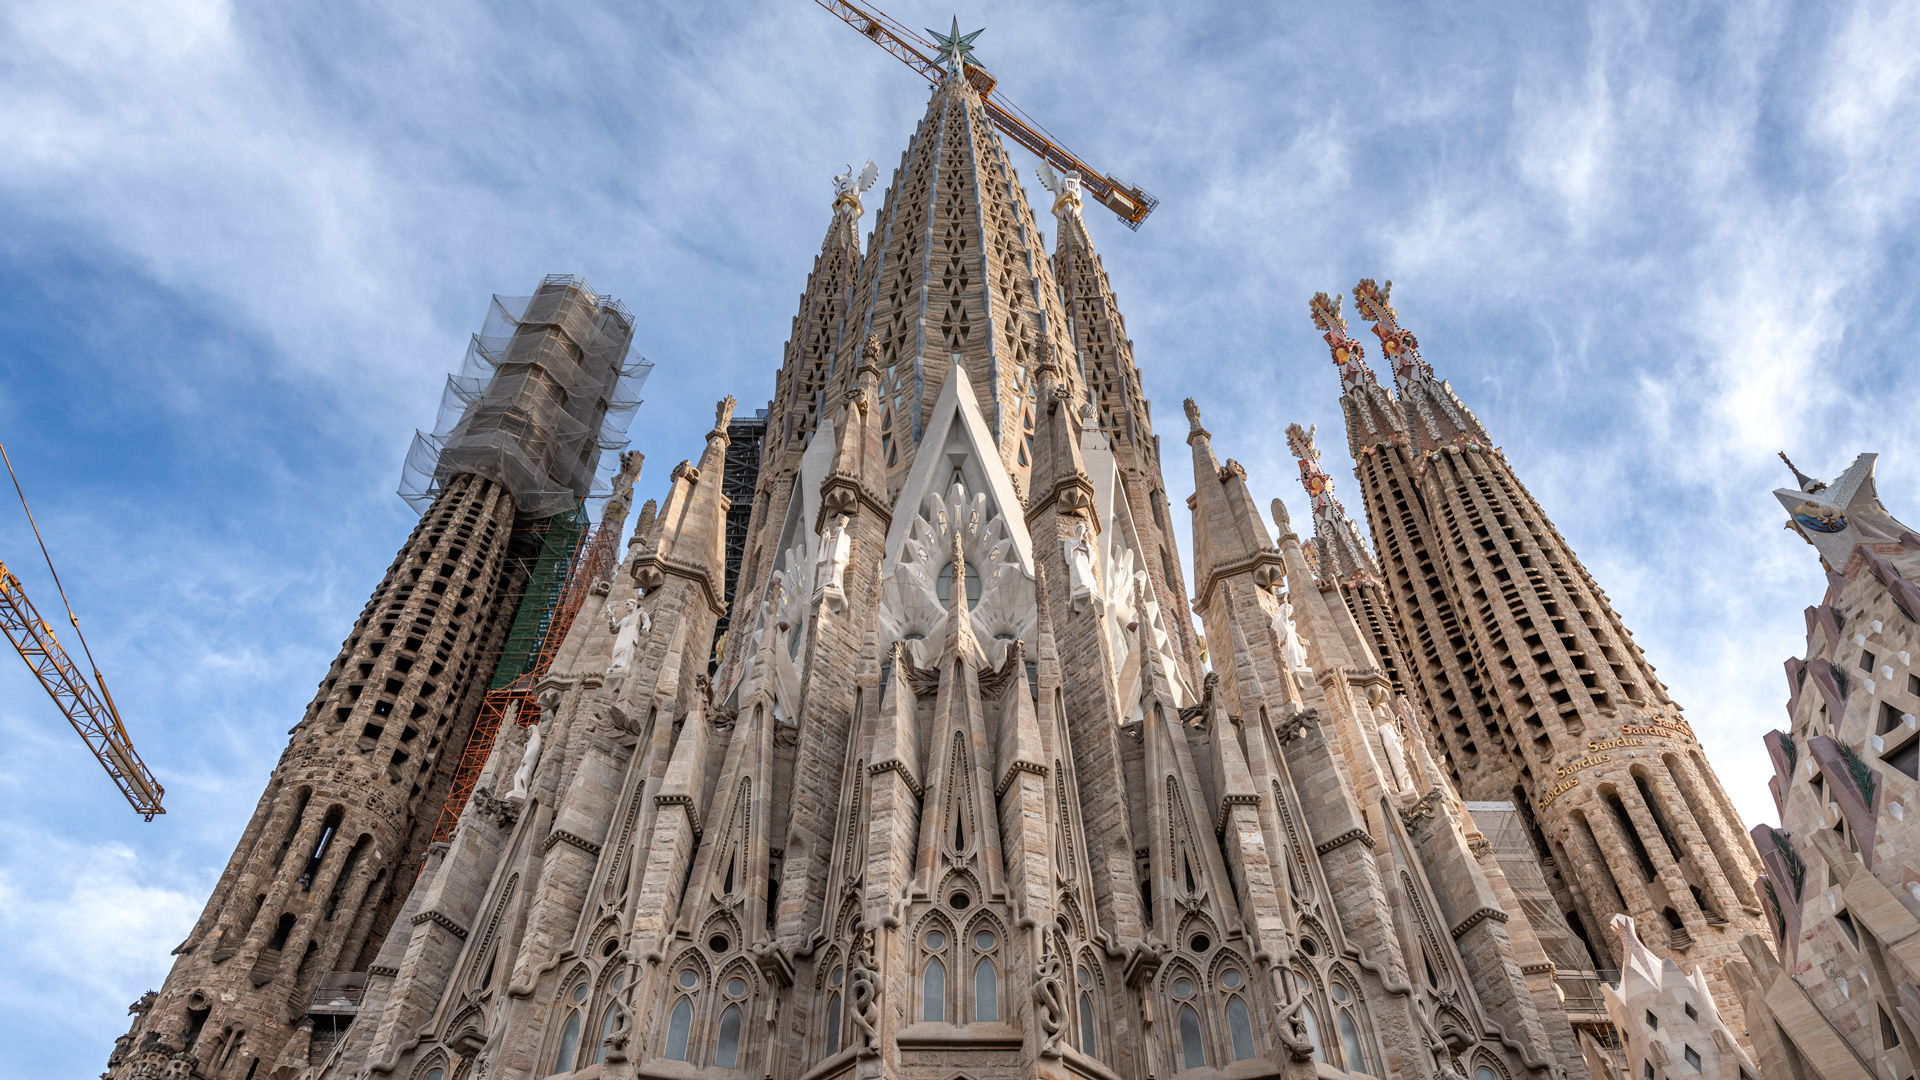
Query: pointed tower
x=955, y=275
x=807, y=390
x=1346, y=563
x=1590, y=746
x=1102, y=358
x=800, y=392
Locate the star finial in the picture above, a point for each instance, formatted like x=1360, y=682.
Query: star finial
x=955, y=47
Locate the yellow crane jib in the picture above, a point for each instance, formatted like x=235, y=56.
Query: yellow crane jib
x=91, y=713
x=1127, y=201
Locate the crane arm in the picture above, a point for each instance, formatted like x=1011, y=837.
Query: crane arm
x=1129, y=202
x=92, y=714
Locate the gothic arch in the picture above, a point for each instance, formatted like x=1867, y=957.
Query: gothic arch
x=721, y=924
x=923, y=957
x=436, y=1059
x=1197, y=922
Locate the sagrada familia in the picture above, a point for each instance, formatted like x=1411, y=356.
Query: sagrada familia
x=888, y=747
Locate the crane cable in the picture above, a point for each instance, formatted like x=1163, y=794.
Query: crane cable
x=71, y=618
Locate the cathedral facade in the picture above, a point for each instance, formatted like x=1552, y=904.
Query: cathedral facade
x=957, y=790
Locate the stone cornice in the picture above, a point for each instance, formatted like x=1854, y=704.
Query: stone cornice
x=686, y=801
x=1344, y=839
x=1014, y=770
x=1477, y=918
x=856, y=496
x=432, y=916
x=896, y=765
x=563, y=836
x=1227, y=803
x=1251, y=564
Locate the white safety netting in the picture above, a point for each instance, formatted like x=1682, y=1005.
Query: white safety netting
x=547, y=387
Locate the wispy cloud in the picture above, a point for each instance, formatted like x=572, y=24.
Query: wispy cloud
x=240, y=245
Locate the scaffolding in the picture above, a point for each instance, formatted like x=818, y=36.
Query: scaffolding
x=548, y=384
x=742, y=474
x=571, y=561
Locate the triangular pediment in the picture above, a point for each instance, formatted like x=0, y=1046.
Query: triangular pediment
x=958, y=482
x=958, y=445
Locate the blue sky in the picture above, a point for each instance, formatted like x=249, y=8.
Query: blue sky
x=241, y=246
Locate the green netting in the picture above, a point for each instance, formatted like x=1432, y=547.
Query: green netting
x=530, y=622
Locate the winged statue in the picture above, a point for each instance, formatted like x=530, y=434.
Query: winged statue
x=847, y=190
x=1066, y=190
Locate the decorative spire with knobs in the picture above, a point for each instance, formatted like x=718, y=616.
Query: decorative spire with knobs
x=1348, y=355
x=1399, y=344
x=1312, y=477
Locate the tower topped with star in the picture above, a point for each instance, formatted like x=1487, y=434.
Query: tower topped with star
x=956, y=49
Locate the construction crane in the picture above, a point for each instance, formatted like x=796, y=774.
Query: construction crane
x=90, y=711
x=1124, y=199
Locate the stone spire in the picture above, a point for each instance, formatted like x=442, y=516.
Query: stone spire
x=1228, y=535
x=1428, y=403
x=1346, y=563
x=955, y=274
x=1373, y=419
x=1549, y=673
x=801, y=393
x=1116, y=408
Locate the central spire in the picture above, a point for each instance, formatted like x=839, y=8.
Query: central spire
x=956, y=274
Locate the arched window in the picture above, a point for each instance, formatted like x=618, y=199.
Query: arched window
x=569, y=1041
x=1193, y=1052
x=1240, y=1026
x=1484, y=1073
x=933, y=992
x=727, y=1054
x=678, y=1025
x=436, y=1074
x=563, y=1058
x=1350, y=1042
x=1312, y=1021
x=986, y=993
x=834, y=982
x=1084, y=979
x=609, y=1018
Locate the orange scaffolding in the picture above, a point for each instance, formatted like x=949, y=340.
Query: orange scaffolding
x=593, y=561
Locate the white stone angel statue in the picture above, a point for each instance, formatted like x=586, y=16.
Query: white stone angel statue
x=628, y=623
x=523, y=776
x=1081, y=592
x=1293, y=650
x=830, y=570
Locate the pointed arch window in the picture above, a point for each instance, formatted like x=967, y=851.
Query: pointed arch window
x=609, y=1019
x=569, y=1042
x=1193, y=1050
x=833, y=1009
x=1240, y=1027
x=986, y=993
x=1083, y=980
x=1350, y=1042
x=726, y=1053
x=678, y=1026
x=1312, y=1020
x=933, y=992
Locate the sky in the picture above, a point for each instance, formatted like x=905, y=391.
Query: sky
x=241, y=246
